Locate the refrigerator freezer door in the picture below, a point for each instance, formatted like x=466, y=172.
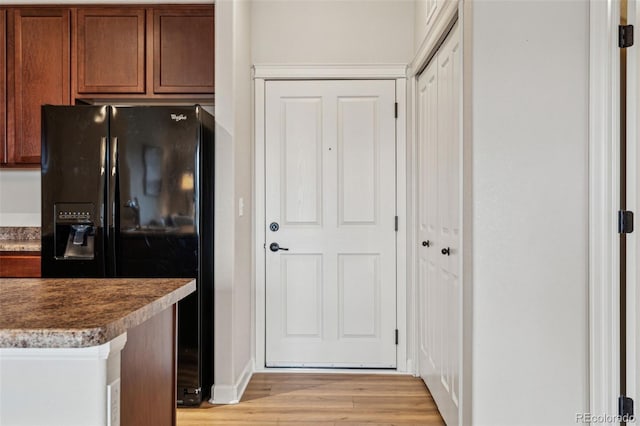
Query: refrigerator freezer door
x=74, y=163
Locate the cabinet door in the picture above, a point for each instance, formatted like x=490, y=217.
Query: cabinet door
x=3, y=88
x=19, y=265
x=38, y=74
x=183, y=50
x=111, y=50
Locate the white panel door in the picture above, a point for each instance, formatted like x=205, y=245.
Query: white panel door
x=330, y=187
x=439, y=227
x=430, y=319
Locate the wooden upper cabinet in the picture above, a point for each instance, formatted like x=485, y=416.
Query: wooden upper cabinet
x=38, y=73
x=4, y=154
x=111, y=50
x=183, y=47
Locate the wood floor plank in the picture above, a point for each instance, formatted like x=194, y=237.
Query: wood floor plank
x=303, y=401
x=408, y=403
x=309, y=399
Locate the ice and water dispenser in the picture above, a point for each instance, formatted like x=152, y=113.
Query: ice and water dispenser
x=74, y=231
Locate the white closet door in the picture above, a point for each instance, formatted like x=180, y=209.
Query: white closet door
x=330, y=187
x=428, y=222
x=439, y=227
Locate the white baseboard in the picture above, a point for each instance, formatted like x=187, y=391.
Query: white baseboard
x=410, y=368
x=231, y=394
x=391, y=372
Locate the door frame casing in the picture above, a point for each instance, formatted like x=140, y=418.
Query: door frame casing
x=264, y=73
x=633, y=200
x=604, y=201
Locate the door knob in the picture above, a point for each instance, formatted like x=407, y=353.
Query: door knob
x=426, y=243
x=446, y=251
x=276, y=247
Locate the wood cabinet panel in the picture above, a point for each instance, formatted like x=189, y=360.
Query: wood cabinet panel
x=38, y=74
x=183, y=46
x=148, y=372
x=111, y=50
x=4, y=154
x=19, y=265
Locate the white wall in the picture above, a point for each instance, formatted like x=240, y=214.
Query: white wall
x=420, y=20
x=243, y=132
x=528, y=65
x=19, y=197
x=233, y=254
x=332, y=32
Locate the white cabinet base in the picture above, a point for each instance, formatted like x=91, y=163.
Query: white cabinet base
x=61, y=386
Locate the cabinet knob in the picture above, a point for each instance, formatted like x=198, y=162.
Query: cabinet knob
x=426, y=243
x=446, y=251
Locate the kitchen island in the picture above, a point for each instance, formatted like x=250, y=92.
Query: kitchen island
x=88, y=351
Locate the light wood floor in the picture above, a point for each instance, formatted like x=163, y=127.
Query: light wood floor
x=323, y=399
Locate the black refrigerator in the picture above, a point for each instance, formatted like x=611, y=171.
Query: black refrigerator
x=128, y=192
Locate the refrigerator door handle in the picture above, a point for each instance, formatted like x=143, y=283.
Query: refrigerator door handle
x=112, y=180
x=103, y=156
x=113, y=206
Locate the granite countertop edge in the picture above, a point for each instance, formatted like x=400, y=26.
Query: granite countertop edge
x=20, y=246
x=88, y=337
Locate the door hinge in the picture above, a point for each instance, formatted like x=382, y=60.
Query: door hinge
x=625, y=222
x=396, y=110
x=397, y=338
x=396, y=224
x=625, y=36
x=625, y=406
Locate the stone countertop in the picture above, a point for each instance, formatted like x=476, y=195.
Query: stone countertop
x=76, y=313
x=20, y=245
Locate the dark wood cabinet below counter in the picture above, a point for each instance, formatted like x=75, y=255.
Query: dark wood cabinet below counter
x=19, y=265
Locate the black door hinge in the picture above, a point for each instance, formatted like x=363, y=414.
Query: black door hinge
x=396, y=110
x=625, y=36
x=396, y=224
x=625, y=222
x=625, y=406
x=397, y=338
